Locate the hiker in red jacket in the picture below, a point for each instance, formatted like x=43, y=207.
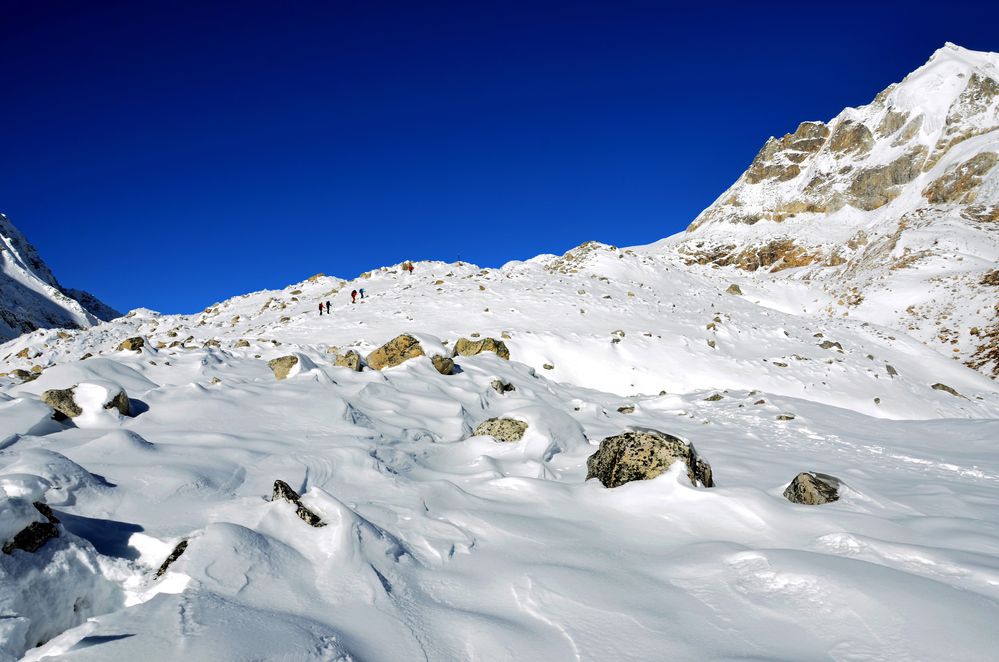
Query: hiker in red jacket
x=353, y=296
x=320, y=308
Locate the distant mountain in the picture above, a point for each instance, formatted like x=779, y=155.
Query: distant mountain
x=32, y=298
x=888, y=212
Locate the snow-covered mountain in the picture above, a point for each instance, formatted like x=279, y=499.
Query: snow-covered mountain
x=31, y=297
x=888, y=213
x=161, y=530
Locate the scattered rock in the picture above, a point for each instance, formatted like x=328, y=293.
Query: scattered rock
x=644, y=454
x=242, y=342
x=813, y=489
x=891, y=370
x=713, y=398
x=283, y=491
x=734, y=289
x=760, y=402
x=281, y=366
x=946, y=389
x=350, y=360
x=785, y=417
x=174, y=555
x=829, y=344
x=548, y=366
x=502, y=429
x=502, y=387
x=626, y=409
x=132, y=344
x=465, y=347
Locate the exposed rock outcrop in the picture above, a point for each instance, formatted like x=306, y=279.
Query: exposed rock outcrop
x=960, y=182
x=813, y=489
x=174, y=555
x=34, y=536
x=351, y=359
x=645, y=454
x=283, y=491
x=63, y=401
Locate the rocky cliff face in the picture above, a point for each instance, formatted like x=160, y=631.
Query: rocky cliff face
x=890, y=210
x=32, y=298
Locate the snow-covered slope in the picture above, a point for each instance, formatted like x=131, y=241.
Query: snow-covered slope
x=441, y=544
x=31, y=297
x=888, y=213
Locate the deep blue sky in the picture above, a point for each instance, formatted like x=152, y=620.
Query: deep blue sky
x=171, y=154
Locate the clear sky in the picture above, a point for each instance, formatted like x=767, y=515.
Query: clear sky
x=172, y=154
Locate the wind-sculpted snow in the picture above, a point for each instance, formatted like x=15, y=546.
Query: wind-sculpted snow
x=442, y=545
x=438, y=543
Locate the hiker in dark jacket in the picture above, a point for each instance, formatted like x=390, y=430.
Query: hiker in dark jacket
x=361, y=292
x=327, y=307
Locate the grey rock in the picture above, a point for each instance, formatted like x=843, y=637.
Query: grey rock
x=645, y=454
x=502, y=387
x=465, y=347
x=350, y=360
x=34, y=536
x=813, y=489
x=283, y=491
x=174, y=555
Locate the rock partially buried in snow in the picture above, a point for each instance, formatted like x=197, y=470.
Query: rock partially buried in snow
x=466, y=347
x=134, y=344
x=946, y=389
x=644, y=454
x=174, y=555
x=283, y=491
x=395, y=352
x=812, y=489
x=66, y=404
x=502, y=429
x=502, y=387
x=442, y=364
x=350, y=360
x=34, y=536
x=734, y=289
x=282, y=366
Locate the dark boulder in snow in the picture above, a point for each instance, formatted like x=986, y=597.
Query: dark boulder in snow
x=283, y=491
x=812, y=489
x=174, y=555
x=466, y=347
x=644, y=454
x=443, y=364
x=946, y=389
x=502, y=429
x=34, y=536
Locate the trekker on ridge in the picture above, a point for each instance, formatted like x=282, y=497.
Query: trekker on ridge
x=320, y=308
x=353, y=296
x=327, y=307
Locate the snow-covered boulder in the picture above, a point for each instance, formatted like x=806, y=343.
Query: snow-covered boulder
x=466, y=347
x=283, y=491
x=37, y=522
x=813, y=489
x=644, y=454
x=86, y=398
x=283, y=365
x=502, y=429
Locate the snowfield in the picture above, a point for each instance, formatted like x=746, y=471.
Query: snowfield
x=156, y=536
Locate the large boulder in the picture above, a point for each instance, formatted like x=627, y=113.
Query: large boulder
x=401, y=349
x=395, y=352
x=66, y=401
x=812, y=489
x=281, y=366
x=644, y=454
x=502, y=429
x=350, y=360
x=466, y=347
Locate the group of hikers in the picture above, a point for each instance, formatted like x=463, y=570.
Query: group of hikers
x=353, y=299
x=406, y=266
